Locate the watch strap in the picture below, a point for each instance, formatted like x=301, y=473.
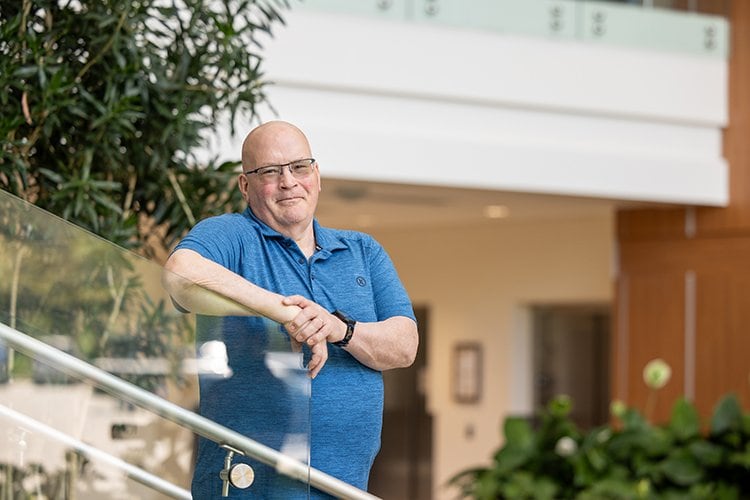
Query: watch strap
x=349, y=328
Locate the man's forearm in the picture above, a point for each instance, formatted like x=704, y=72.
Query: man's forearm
x=386, y=344
x=205, y=287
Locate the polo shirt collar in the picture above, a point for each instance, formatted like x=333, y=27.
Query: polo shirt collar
x=326, y=239
x=265, y=229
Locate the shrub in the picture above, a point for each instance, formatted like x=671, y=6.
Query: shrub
x=628, y=459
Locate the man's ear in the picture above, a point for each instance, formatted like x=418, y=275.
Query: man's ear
x=243, y=184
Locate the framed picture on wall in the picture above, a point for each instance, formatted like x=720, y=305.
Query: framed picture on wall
x=467, y=372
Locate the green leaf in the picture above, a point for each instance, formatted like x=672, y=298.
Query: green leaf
x=518, y=433
x=486, y=486
x=706, y=453
x=611, y=488
x=633, y=420
x=519, y=444
x=105, y=201
x=525, y=485
x=685, y=422
x=53, y=176
x=657, y=441
x=726, y=491
x=681, y=468
x=25, y=71
x=727, y=416
x=741, y=459
x=598, y=459
x=511, y=458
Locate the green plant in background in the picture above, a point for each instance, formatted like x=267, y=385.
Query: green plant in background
x=630, y=459
x=103, y=104
x=71, y=284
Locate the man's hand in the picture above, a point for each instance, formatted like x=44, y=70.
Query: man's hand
x=315, y=327
x=380, y=345
x=318, y=359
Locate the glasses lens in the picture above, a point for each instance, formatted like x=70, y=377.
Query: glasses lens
x=301, y=168
x=269, y=172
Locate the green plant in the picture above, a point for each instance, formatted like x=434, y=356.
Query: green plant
x=630, y=459
x=103, y=104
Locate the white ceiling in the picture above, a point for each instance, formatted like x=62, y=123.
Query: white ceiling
x=368, y=205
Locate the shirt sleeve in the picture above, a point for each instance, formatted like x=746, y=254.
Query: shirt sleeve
x=390, y=296
x=215, y=238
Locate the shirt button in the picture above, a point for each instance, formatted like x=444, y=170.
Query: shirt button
x=301, y=260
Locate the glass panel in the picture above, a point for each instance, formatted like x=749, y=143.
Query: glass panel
x=647, y=24
x=387, y=9
x=718, y=7
x=106, y=306
x=540, y=18
x=659, y=29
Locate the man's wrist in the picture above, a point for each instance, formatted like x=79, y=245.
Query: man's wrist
x=349, y=323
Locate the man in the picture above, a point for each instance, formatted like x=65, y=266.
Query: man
x=335, y=292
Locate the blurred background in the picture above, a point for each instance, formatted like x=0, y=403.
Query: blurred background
x=563, y=188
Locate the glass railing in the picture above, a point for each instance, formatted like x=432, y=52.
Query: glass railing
x=698, y=27
x=64, y=437
x=717, y=7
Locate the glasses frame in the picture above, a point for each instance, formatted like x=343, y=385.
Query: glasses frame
x=281, y=167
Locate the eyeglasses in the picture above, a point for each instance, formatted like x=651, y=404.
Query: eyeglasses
x=300, y=169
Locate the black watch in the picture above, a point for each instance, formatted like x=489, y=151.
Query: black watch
x=349, y=328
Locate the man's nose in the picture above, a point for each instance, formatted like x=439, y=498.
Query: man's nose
x=286, y=178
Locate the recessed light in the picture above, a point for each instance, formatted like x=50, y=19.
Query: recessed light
x=496, y=211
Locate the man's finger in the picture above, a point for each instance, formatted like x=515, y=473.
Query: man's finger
x=318, y=359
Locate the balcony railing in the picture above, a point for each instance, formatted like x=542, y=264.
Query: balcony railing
x=697, y=27
x=99, y=377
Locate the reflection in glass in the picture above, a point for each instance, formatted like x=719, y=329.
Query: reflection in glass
x=106, y=306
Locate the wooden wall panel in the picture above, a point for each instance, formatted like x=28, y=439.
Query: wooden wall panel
x=651, y=224
x=723, y=337
x=653, y=327
x=705, y=255
x=735, y=218
x=662, y=313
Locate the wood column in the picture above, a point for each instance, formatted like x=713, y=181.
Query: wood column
x=683, y=286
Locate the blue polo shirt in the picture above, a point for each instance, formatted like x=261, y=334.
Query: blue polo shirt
x=349, y=271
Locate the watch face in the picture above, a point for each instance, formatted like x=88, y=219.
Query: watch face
x=349, y=328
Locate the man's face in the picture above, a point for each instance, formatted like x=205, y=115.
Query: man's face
x=286, y=203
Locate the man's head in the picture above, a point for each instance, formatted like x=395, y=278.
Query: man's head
x=286, y=202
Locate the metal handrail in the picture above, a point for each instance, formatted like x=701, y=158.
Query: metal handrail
x=136, y=473
x=199, y=425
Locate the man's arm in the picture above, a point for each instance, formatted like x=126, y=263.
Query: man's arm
x=202, y=286
x=380, y=345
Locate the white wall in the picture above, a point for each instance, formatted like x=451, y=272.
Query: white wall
x=478, y=282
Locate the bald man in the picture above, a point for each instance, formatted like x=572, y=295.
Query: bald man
x=335, y=292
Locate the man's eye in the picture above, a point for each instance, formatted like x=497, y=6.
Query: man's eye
x=300, y=168
x=268, y=172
